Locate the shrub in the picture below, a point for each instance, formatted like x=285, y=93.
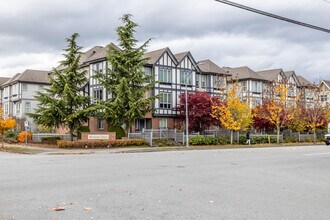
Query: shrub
x=11, y=134
x=21, y=137
x=101, y=143
x=82, y=129
x=119, y=131
x=207, y=140
x=50, y=140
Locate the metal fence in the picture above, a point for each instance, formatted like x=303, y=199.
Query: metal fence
x=36, y=137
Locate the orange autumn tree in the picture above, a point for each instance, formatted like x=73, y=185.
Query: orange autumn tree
x=234, y=114
x=277, y=111
x=6, y=123
x=297, y=122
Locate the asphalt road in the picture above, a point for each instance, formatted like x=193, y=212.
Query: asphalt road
x=270, y=183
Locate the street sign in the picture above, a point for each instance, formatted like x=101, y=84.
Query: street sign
x=26, y=124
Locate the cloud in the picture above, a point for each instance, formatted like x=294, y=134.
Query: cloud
x=209, y=29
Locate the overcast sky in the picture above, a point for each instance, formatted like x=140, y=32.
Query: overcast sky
x=33, y=32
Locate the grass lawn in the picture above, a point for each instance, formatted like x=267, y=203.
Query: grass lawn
x=19, y=150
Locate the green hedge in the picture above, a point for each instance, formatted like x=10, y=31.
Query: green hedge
x=208, y=140
x=257, y=140
x=101, y=144
x=50, y=140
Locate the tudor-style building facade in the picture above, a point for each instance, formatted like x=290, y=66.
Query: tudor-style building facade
x=251, y=85
x=172, y=73
x=324, y=92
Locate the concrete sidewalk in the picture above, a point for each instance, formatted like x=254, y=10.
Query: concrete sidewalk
x=57, y=151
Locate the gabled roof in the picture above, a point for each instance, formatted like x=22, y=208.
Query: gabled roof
x=271, y=75
x=244, y=72
x=30, y=76
x=12, y=79
x=154, y=56
x=292, y=74
x=96, y=53
x=3, y=80
x=304, y=82
x=326, y=82
x=207, y=66
x=179, y=56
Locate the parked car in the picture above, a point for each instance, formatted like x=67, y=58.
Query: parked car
x=327, y=139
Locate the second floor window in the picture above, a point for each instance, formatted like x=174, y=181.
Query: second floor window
x=324, y=98
x=24, y=87
x=97, y=95
x=165, y=100
x=244, y=86
x=96, y=68
x=256, y=87
x=219, y=82
x=6, y=109
x=203, y=81
x=27, y=107
x=18, y=108
x=147, y=74
x=197, y=80
x=186, y=78
x=165, y=75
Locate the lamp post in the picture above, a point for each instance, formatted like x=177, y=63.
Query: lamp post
x=187, y=122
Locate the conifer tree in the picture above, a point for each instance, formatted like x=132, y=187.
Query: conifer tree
x=125, y=80
x=62, y=104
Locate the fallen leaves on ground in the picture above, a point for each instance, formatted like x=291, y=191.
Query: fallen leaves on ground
x=57, y=208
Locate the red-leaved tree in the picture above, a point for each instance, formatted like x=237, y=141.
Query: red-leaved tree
x=199, y=111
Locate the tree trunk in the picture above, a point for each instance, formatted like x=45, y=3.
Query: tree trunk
x=71, y=134
x=2, y=140
x=278, y=134
x=314, y=139
x=231, y=136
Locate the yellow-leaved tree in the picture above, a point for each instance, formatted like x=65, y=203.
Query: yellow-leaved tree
x=6, y=123
x=277, y=111
x=234, y=114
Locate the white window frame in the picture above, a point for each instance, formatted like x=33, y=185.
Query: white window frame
x=18, y=108
x=97, y=95
x=163, y=123
x=203, y=81
x=165, y=75
x=96, y=67
x=186, y=77
x=27, y=108
x=24, y=87
x=324, y=98
x=165, y=100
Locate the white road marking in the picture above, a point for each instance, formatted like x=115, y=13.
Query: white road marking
x=316, y=154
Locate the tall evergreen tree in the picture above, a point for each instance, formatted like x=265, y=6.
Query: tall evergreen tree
x=62, y=104
x=125, y=81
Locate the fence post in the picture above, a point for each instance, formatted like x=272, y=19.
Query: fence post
x=151, y=138
x=298, y=136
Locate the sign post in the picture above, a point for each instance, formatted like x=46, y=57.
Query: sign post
x=26, y=124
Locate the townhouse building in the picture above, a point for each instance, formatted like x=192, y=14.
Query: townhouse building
x=2, y=81
x=172, y=73
x=324, y=92
x=251, y=84
x=19, y=95
x=308, y=92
